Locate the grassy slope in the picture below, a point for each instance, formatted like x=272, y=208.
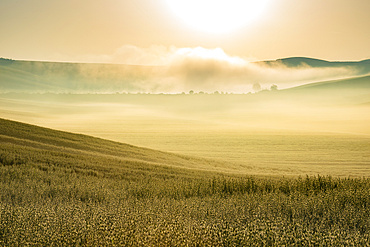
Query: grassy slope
x=344, y=92
x=99, y=153
x=363, y=66
x=65, y=189
x=35, y=76
x=362, y=82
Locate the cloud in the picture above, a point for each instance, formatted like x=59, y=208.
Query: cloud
x=212, y=69
x=201, y=69
x=206, y=69
x=173, y=70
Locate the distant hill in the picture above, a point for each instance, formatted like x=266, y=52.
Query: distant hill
x=60, y=77
x=362, y=66
x=350, y=91
x=65, y=77
x=361, y=83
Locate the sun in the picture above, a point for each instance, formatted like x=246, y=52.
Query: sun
x=217, y=16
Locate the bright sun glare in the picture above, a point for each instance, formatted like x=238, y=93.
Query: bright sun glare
x=217, y=16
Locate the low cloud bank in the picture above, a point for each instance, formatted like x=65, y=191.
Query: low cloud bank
x=160, y=69
x=208, y=70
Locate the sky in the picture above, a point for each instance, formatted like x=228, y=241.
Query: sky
x=149, y=31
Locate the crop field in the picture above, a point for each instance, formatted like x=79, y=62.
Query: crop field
x=243, y=137
x=262, y=153
x=66, y=189
x=246, y=174
x=185, y=123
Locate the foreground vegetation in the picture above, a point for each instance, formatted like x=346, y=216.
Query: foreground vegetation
x=64, y=189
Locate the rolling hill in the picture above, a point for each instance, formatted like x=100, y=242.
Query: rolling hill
x=22, y=143
x=65, y=189
x=362, y=66
x=361, y=83
x=349, y=91
x=34, y=76
x=60, y=77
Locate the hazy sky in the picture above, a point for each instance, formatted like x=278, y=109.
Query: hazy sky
x=97, y=30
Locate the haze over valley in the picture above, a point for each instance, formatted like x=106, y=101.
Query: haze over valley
x=198, y=69
x=105, y=100
x=184, y=123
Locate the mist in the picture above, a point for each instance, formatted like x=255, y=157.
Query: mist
x=209, y=70
x=231, y=127
x=160, y=69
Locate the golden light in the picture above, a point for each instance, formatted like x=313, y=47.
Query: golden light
x=217, y=16
x=216, y=54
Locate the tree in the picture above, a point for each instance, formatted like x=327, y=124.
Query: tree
x=256, y=87
x=274, y=87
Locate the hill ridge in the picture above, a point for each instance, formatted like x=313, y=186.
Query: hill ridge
x=353, y=82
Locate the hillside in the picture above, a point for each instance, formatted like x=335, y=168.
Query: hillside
x=66, y=189
x=349, y=91
x=21, y=143
x=61, y=77
x=35, y=76
x=362, y=66
x=361, y=83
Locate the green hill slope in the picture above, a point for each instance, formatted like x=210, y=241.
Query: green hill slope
x=349, y=91
x=37, y=76
x=362, y=83
x=362, y=66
